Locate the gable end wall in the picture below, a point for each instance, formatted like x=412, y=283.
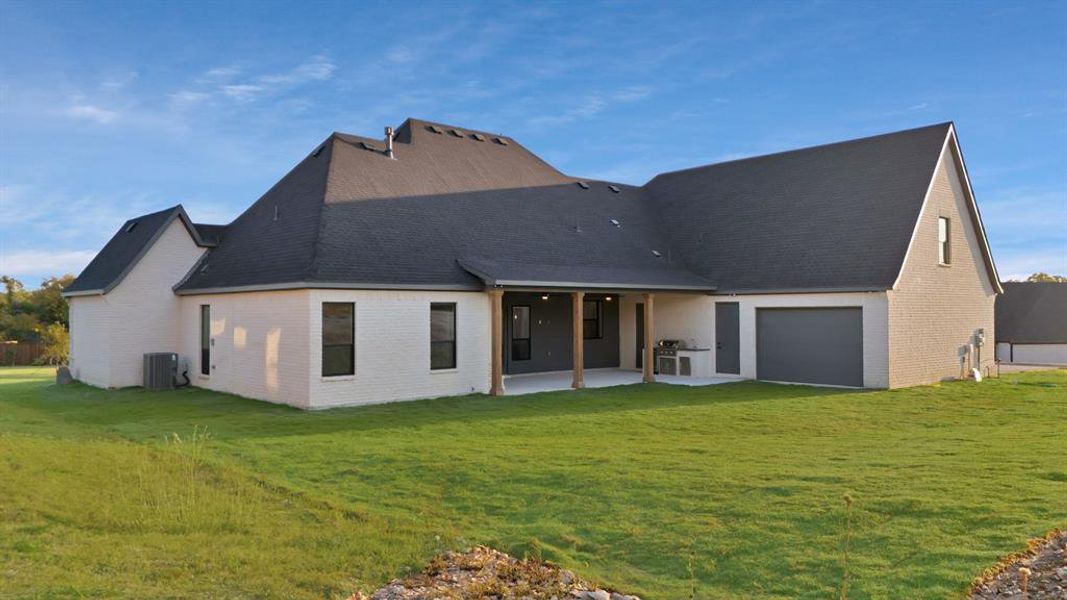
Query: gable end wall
x=935, y=310
x=110, y=333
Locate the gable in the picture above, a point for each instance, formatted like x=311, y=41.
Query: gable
x=950, y=196
x=127, y=247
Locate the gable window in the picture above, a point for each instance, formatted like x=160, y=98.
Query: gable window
x=205, y=339
x=442, y=335
x=520, y=333
x=338, y=339
x=944, y=248
x=591, y=323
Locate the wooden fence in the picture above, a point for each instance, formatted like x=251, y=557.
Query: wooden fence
x=20, y=353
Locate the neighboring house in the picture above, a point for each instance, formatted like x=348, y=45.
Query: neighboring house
x=441, y=259
x=1032, y=323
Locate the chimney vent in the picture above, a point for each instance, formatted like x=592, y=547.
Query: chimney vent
x=389, y=142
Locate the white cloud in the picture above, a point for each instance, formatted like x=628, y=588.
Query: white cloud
x=35, y=262
x=592, y=105
x=242, y=92
x=400, y=55
x=89, y=112
x=221, y=72
x=187, y=97
x=221, y=81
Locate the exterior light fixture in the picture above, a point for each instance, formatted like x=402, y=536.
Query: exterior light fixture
x=544, y=296
x=607, y=298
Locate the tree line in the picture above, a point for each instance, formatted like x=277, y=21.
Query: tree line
x=40, y=315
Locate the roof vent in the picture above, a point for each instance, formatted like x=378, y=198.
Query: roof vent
x=614, y=188
x=500, y=141
x=130, y=226
x=478, y=136
x=435, y=129
x=616, y=223
x=456, y=132
x=389, y=142
x=583, y=185
x=657, y=254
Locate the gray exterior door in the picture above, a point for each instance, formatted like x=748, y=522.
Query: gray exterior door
x=640, y=328
x=810, y=345
x=727, y=338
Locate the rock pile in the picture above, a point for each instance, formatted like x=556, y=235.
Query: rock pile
x=484, y=573
x=1039, y=572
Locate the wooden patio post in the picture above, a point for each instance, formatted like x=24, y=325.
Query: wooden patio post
x=646, y=364
x=578, y=333
x=496, y=313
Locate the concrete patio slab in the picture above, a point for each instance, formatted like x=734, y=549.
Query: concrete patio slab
x=532, y=383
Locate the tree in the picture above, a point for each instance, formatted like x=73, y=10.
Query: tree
x=1045, y=277
x=24, y=315
x=48, y=302
x=56, y=344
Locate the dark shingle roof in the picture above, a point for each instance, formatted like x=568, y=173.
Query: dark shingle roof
x=451, y=211
x=530, y=232
x=838, y=216
x=429, y=163
x=1032, y=313
x=210, y=234
x=125, y=248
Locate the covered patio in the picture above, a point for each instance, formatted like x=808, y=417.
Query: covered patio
x=580, y=285
x=533, y=383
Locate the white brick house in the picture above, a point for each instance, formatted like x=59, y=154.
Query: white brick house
x=441, y=260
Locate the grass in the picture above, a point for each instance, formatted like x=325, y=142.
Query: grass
x=732, y=491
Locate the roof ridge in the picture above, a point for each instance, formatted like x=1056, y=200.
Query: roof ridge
x=312, y=267
x=805, y=148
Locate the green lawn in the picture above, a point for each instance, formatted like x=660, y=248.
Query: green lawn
x=733, y=491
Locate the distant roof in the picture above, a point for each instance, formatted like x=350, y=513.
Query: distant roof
x=838, y=216
x=126, y=248
x=1032, y=313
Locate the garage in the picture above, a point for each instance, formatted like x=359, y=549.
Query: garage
x=810, y=345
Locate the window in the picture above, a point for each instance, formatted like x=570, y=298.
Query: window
x=520, y=333
x=338, y=339
x=443, y=335
x=205, y=339
x=591, y=329
x=944, y=255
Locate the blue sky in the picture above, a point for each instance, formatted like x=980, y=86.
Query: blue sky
x=111, y=110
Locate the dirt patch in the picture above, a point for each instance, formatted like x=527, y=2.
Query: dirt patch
x=1039, y=572
x=485, y=573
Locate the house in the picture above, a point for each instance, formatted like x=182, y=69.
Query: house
x=1031, y=323
x=442, y=260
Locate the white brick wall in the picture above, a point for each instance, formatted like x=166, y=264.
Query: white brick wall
x=90, y=340
x=393, y=347
x=110, y=333
x=260, y=344
x=692, y=318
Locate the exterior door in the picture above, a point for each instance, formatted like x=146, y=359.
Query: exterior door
x=640, y=312
x=727, y=338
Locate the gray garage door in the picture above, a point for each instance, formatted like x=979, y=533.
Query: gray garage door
x=810, y=345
